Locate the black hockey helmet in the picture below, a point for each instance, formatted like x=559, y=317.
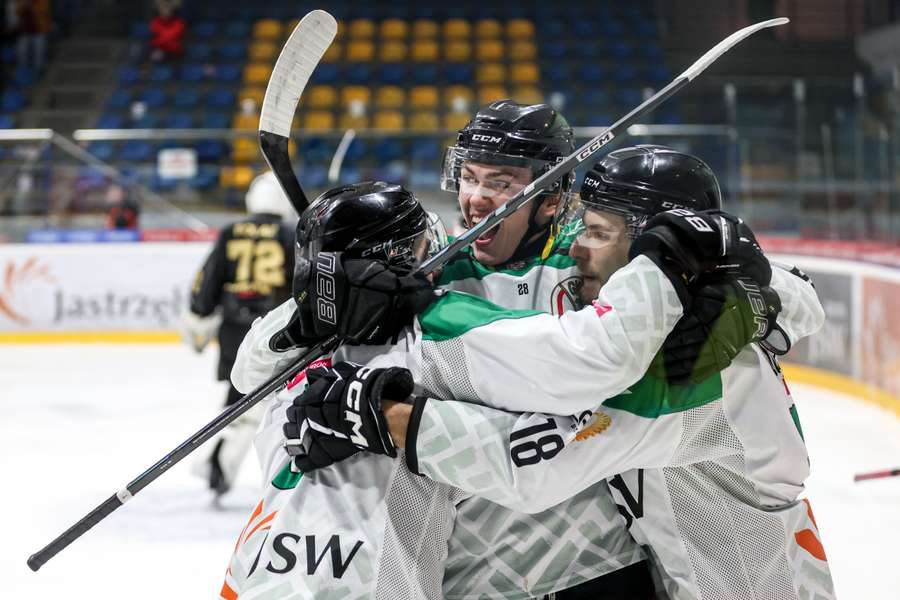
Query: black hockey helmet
x=508, y=133
x=368, y=219
x=641, y=181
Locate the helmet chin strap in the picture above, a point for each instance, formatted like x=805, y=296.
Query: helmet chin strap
x=530, y=245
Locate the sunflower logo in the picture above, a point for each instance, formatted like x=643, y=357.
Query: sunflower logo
x=13, y=279
x=599, y=422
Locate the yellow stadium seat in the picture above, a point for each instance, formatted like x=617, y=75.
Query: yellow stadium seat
x=244, y=150
x=388, y=119
x=489, y=50
x=390, y=96
x=518, y=29
x=488, y=28
x=262, y=52
x=290, y=25
x=424, y=51
x=457, y=28
x=236, y=176
x=355, y=93
x=490, y=93
x=525, y=73
x=424, y=120
x=341, y=30
x=456, y=120
x=253, y=93
x=458, y=95
x=457, y=51
x=391, y=51
x=320, y=96
x=423, y=96
x=527, y=95
x=332, y=53
x=424, y=28
x=257, y=73
x=522, y=51
x=267, y=29
x=490, y=73
x=393, y=29
x=318, y=120
x=242, y=121
x=348, y=121
x=361, y=28
x=360, y=51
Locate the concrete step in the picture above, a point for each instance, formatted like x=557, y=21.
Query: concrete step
x=61, y=121
x=81, y=50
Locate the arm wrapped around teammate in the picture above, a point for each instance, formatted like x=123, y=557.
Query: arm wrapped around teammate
x=725, y=314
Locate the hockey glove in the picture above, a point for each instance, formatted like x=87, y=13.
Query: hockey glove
x=685, y=244
x=344, y=403
x=725, y=314
x=364, y=300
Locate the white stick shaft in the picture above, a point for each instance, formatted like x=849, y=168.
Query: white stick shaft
x=722, y=47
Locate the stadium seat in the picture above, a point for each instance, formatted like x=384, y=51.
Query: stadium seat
x=333, y=53
x=658, y=74
x=210, y=150
x=459, y=73
x=148, y=121
x=628, y=98
x=315, y=176
x=425, y=74
x=522, y=51
x=458, y=95
x=457, y=120
x=153, y=97
x=326, y=73
x=244, y=150
x=109, y=121
x=252, y=93
x=490, y=93
x=558, y=73
x=358, y=73
x=583, y=29
x=355, y=93
x=388, y=119
x=348, y=121
x=214, y=120
x=267, y=29
x=390, y=96
x=227, y=73
x=24, y=77
x=128, y=75
x=236, y=29
x=207, y=176
x=488, y=28
x=320, y=96
x=394, y=74
x=527, y=95
x=193, y=73
x=179, y=121
x=186, y=98
x=423, y=96
x=596, y=99
x=7, y=122
x=490, y=73
x=424, y=28
x=391, y=51
x=356, y=150
x=102, y=150
x=590, y=74
x=140, y=31
x=423, y=121
x=233, y=51
x=553, y=49
x=360, y=51
x=611, y=28
x=257, y=74
x=119, y=99
x=197, y=50
x=525, y=73
x=424, y=51
x=318, y=120
x=221, y=98
x=625, y=74
x=236, y=176
x=457, y=28
x=520, y=29
x=361, y=28
x=316, y=150
x=161, y=74
x=136, y=151
x=489, y=50
x=244, y=121
x=389, y=149
x=425, y=150
x=457, y=50
x=393, y=29
x=205, y=29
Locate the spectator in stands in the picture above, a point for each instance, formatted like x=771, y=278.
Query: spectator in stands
x=123, y=210
x=167, y=29
x=34, y=23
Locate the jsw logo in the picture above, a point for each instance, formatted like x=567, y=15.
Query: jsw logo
x=290, y=547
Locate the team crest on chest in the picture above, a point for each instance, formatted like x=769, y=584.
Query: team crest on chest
x=564, y=296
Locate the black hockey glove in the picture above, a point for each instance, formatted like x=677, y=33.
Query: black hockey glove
x=725, y=314
x=685, y=244
x=363, y=300
x=343, y=403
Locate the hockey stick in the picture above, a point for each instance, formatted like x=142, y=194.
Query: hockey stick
x=301, y=53
x=282, y=128
x=876, y=475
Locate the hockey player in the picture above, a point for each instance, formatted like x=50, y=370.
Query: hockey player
x=247, y=274
x=712, y=470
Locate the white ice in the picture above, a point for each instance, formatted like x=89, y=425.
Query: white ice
x=79, y=422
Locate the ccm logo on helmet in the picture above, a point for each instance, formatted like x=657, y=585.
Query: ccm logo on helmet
x=325, y=306
x=351, y=414
x=490, y=139
x=591, y=182
x=595, y=146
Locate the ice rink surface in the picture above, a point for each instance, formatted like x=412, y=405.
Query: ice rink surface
x=79, y=422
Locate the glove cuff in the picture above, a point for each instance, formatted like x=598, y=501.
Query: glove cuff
x=412, y=434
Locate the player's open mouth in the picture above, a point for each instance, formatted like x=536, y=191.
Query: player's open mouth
x=488, y=236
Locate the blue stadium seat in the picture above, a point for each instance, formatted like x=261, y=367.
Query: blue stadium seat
x=140, y=31
x=128, y=75
x=211, y=150
x=557, y=72
x=583, y=29
x=315, y=150
x=102, y=150
x=228, y=73
x=221, y=98
x=179, y=121
x=145, y=122
x=207, y=177
x=596, y=118
x=233, y=51
x=153, y=97
x=350, y=175
x=8, y=54
x=162, y=184
x=12, y=101
x=205, y=29
x=358, y=73
x=667, y=117
x=119, y=99
x=24, y=77
x=186, y=98
x=590, y=50
x=625, y=74
x=650, y=50
x=237, y=29
x=193, y=73
x=425, y=151
x=6, y=122
x=553, y=50
x=327, y=73
x=459, y=73
x=315, y=176
x=590, y=74
x=645, y=28
x=215, y=120
x=427, y=74
x=136, y=151
x=596, y=100
x=628, y=98
x=389, y=149
x=393, y=172
x=110, y=121
x=424, y=178
x=394, y=73
x=161, y=74
x=356, y=151
x=658, y=74
x=619, y=50
x=198, y=51
x=612, y=28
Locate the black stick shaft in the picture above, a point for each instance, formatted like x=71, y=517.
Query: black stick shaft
x=39, y=558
